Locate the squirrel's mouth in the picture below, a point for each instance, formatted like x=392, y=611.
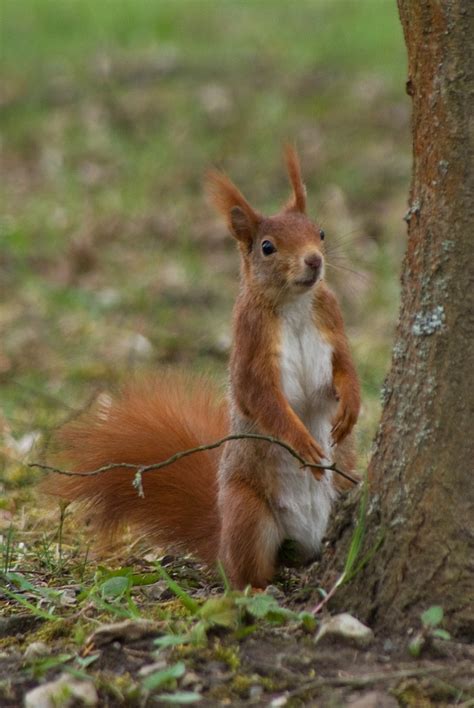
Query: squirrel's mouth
x=309, y=281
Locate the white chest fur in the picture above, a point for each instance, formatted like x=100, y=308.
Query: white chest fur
x=306, y=360
x=304, y=504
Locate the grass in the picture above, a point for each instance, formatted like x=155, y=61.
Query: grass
x=111, y=116
x=111, y=262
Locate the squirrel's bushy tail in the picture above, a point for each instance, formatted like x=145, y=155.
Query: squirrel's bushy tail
x=147, y=423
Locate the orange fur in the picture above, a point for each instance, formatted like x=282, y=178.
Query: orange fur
x=147, y=423
x=346, y=382
x=248, y=488
x=255, y=378
x=224, y=503
x=298, y=200
x=249, y=537
x=227, y=199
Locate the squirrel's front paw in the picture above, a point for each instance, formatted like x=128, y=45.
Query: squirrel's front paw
x=310, y=451
x=345, y=419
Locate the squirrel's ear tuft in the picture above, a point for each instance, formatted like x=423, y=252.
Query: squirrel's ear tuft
x=298, y=200
x=241, y=219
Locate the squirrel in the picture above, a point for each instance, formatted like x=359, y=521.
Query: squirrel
x=291, y=377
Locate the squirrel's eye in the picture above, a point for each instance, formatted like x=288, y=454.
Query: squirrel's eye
x=321, y=234
x=268, y=248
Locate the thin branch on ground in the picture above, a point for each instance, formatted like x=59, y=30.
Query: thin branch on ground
x=142, y=469
x=363, y=680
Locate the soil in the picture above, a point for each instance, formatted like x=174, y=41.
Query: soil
x=274, y=665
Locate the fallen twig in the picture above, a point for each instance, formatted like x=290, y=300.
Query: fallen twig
x=142, y=469
x=364, y=680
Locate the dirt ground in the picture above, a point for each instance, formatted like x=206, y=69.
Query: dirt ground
x=274, y=665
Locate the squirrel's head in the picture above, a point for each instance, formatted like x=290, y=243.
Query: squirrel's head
x=282, y=254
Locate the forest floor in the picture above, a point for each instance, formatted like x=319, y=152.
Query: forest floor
x=112, y=264
x=122, y=630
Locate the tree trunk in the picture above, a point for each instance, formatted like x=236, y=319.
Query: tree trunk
x=421, y=472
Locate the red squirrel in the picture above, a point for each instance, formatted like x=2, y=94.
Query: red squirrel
x=291, y=377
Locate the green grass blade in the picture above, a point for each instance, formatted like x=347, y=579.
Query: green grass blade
x=358, y=535
x=186, y=599
x=35, y=610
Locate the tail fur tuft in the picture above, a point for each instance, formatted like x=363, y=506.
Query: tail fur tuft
x=147, y=423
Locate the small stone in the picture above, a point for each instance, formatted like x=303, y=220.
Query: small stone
x=68, y=598
x=279, y=701
x=36, y=650
x=126, y=631
x=109, y=297
x=157, y=591
x=223, y=343
x=135, y=346
x=65, y=691
x=346, y=628
x=151, y=668
x=140, y=346
x=255, y=692
x=217, y=103
x=275, y=592
x=374, y=699
x=190, y=679
x=23, y=445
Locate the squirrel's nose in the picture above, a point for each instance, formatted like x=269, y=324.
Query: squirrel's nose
x=313, y=261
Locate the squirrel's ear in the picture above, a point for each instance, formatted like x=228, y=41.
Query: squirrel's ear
x=298, y=200
x=241, y=219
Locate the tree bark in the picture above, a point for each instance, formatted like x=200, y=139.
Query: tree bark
x=421, y=472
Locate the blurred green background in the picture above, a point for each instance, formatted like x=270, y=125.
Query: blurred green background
x=110, y=259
